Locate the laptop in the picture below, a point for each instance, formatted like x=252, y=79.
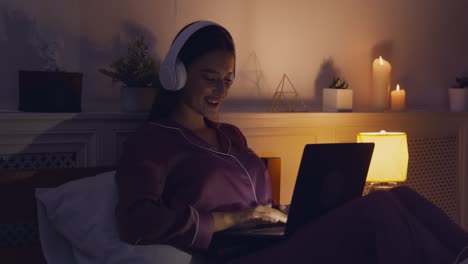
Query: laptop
x=329, y=175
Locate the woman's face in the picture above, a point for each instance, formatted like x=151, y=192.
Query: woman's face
x=208, y=81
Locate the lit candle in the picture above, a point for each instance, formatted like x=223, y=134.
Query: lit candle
x=380, y=84
x=398, y=99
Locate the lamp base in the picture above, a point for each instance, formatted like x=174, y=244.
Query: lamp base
x=379, y=186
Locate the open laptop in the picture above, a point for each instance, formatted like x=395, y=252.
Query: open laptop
x=329, y=175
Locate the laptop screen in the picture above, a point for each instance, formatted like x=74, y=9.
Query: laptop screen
x=329, y=175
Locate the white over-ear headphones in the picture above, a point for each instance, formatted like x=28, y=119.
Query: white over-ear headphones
x=172, y=72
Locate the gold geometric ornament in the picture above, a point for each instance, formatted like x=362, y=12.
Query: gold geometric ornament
x=287, y=100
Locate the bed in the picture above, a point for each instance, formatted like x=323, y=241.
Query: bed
x=20, y=226
x=19, y=236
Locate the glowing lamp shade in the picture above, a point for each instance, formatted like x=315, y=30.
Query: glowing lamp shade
x=390, y=158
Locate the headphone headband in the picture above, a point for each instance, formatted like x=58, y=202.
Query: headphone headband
x=171, y=67
x=182, y=38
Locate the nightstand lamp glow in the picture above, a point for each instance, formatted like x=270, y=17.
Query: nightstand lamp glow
x=389, y=164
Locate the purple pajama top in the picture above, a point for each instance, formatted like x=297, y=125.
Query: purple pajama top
x=170, y=180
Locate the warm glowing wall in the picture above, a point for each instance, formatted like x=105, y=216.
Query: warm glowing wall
x=310, y=40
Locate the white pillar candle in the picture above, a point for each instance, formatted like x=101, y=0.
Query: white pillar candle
x=398, y=99
x=381, y=70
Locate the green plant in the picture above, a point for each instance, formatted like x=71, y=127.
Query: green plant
x=339, y=83
x=136, y=69
x=462, y=82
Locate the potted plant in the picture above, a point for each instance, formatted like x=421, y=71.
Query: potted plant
x=337, y=97
x=458, y=95
x=51, y=89
x=137, y=74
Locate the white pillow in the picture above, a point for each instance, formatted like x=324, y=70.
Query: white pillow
x=55, y=247
x=82, y=211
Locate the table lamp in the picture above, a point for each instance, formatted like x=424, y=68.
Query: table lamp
x=389, y=164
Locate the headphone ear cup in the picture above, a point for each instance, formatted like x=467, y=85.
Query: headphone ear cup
x=181, y=73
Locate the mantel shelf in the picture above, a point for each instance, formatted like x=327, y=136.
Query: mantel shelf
x=143, y=116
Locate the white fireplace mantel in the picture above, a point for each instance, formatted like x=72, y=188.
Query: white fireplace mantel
x=95, y=139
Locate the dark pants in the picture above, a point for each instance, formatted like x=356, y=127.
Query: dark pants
x=396, y=226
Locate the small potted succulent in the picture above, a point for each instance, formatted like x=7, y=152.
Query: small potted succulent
x=337, y=97
x=137, y=74
x=458, y=95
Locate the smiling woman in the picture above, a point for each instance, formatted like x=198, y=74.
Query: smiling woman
x=204, y=64
x=184, y=178
x=208, y=81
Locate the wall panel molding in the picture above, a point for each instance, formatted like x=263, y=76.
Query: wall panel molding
x=96, y=140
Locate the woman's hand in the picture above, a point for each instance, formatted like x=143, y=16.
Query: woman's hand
x=246, y=218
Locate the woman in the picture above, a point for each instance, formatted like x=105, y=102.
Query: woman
x=184, y=177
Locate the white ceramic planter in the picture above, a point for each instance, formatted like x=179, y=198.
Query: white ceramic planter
x=458, y=99
x=137, y=99
x=337, y=100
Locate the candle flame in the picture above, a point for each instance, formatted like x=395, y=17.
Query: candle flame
x=398, y=87
x=381, y=60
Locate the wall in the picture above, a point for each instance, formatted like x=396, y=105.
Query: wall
x=425, y=41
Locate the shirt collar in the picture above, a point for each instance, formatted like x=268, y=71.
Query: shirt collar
x=224, y=142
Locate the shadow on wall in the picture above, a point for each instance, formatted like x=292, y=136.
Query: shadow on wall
x=251, y=75
x=100, y=92
x=383, y=48
x=18, y=51
x=327, y=72
x=19, y=42
x=254, y=79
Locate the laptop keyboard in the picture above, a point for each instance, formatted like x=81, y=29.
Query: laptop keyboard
x=263, y=226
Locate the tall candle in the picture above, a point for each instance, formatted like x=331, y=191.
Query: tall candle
x=398, y=99
x=380, y=84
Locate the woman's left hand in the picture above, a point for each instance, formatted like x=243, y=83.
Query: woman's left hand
x=261, y=214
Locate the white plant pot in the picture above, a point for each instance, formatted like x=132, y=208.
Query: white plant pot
x=137, y=99
x=458, y=99
x=337, y=100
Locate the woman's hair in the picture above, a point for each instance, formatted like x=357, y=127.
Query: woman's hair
x=205, y=40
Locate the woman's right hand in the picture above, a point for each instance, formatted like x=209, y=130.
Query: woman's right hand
x=262, y=214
